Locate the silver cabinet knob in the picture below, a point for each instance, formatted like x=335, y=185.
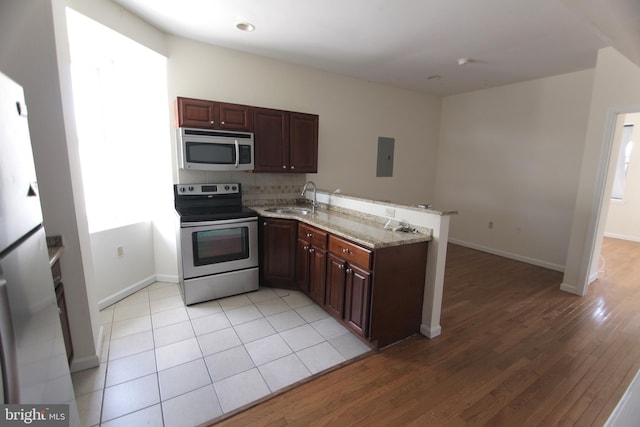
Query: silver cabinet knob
x=222, y=124
x=284, y=166
x=309, y=235
x=293, y=167
x=311, y=250
x=212, y=122
x=348, y=271
x=305, y=248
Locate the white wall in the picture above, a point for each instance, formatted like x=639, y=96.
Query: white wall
x=616, y=89
x=623, y=218
x=119, y=276
x=511, y=155
x=353, y=113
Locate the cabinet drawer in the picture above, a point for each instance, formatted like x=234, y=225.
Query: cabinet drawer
x=314, y=236
x=350, y=252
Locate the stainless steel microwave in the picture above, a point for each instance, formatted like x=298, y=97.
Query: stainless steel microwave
x=215, y=150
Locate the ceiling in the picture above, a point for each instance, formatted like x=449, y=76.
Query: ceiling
x=412, y=44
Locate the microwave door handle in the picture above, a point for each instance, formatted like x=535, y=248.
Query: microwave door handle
x=237, y=154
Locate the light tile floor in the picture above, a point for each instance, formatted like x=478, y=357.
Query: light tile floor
x=167, y=364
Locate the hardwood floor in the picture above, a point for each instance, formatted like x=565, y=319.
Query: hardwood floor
x=514, y=351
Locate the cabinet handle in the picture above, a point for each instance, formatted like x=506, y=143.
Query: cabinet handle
x=212, y=123
x=311, y=250
x=264, y=223
x=309, y=235
x=340, y=267
x=222, y=124
x=348, y=271
x=293, y=167
x=284, y=166
x=306, y=248
x=345, y=251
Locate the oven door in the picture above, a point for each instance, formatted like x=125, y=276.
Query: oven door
x=214, y=247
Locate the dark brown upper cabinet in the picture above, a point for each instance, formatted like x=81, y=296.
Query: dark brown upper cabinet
x=200, y=113
x=285, y=141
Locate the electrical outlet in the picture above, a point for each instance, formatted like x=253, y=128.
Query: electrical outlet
x=490, y=224
x=390, y=212
x=120, y=250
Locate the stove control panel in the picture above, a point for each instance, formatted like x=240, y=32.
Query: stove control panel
x=204, y=189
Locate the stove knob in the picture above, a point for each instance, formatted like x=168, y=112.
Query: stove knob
x=234, y=188
x=191, y=188
x=182, y=189
x=226, y=187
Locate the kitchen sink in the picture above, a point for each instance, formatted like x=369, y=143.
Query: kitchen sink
x=290, y=211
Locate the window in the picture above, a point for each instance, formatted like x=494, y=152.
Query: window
x=121, y=110
x=623, y=161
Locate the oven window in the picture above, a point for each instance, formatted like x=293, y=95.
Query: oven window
x=211, y=153
x=216, y=246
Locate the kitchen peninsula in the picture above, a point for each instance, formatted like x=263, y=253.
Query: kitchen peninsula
x=382, y=284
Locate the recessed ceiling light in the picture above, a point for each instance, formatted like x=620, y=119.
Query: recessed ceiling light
x=245, y=26
x=464, y=61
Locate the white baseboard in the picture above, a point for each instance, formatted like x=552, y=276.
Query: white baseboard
x=510, y=255
x=572, y=289
x=82, y=363
x=169, y=278
x=622, y=237
x=112, y=299
x=100, y=342
x=430, y=332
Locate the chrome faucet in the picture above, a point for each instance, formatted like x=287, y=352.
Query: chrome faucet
x=315, y=201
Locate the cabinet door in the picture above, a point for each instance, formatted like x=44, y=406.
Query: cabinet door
x=303, y=152
x=278, y=252
x=196, y=113
x=357, y=299
x=302, y=265
x=271, y=140
x=235, y=117
x=317, y=274
x=334, y=297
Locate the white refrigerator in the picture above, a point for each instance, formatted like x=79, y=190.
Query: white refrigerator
x=33, y=360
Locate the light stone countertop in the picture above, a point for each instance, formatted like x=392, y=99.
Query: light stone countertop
x=368, y=233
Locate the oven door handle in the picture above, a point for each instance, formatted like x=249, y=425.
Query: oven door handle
x=218, y=222
x=237, y=154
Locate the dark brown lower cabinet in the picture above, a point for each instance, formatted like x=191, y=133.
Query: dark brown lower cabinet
x=335, y=285
x=278, y=245
x=311, y=263
x=357, y=299
x=56, y=273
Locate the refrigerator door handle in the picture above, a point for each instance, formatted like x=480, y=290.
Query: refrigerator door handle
x=8, y=356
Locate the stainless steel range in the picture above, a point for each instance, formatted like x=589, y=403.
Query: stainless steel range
x=217, y=242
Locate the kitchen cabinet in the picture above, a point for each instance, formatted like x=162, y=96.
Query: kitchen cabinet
x=285, y=141
x=303, y=143
x=271, y=140
x=56, y=273
x=311, y=262
x=201, y=113
x=278, y=245
x=349, y=284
